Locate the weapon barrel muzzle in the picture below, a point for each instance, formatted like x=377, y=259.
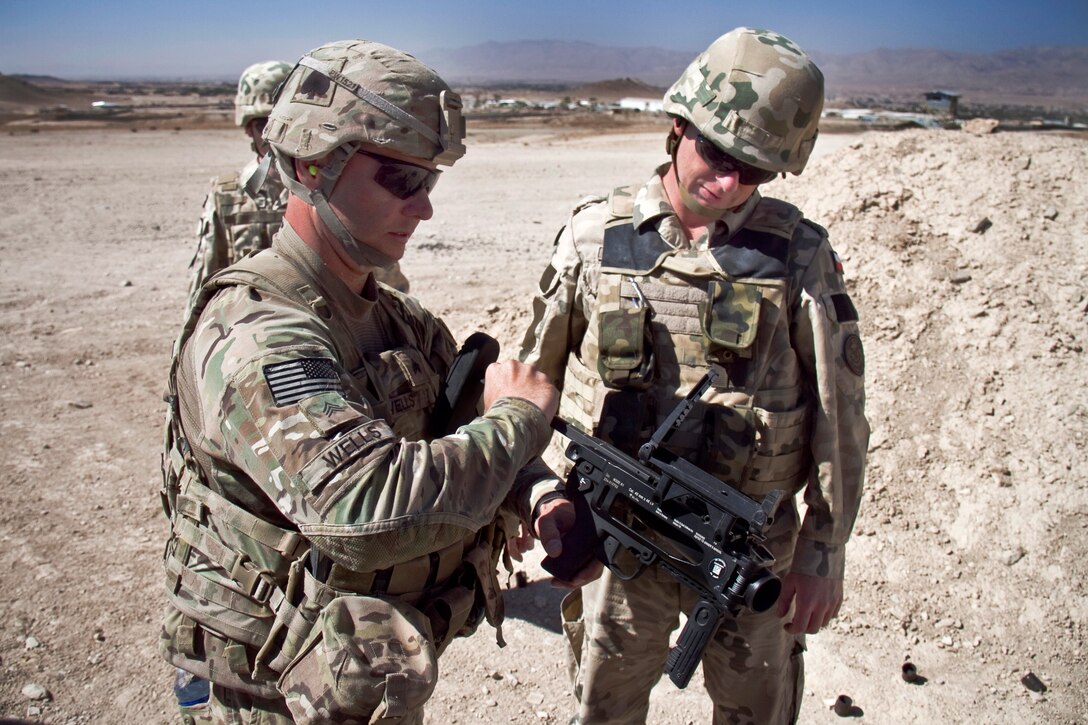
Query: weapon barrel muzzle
x=762, y=592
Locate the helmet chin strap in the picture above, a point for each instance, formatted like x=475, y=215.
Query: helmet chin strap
x=318, y=198
x=690, y=202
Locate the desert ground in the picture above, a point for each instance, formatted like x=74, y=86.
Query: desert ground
x=967, y=258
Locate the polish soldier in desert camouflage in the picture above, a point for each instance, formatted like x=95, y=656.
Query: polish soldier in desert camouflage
x=238, y=218
x=326, y=546
x=653, y=284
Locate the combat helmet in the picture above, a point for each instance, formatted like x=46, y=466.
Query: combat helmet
x=257, y=89
x=756, y=95
x=351, y=92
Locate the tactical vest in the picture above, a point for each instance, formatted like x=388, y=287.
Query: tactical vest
x=662, y=316
x=250, y=223
x=245, y=592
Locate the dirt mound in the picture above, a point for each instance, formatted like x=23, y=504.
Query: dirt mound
x=17, y=93
x=618, y=88
x=968, y=257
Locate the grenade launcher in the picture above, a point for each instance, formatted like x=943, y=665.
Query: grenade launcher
x=661, y=508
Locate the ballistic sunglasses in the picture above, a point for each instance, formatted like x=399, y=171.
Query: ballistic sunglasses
x=723, y=163
x=401, y=178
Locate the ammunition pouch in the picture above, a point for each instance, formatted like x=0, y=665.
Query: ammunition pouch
x=730, y=320
x=626, y=357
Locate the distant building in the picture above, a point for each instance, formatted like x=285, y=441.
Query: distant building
x=883, y=119
x=647, y=105
x=865, y=115
x=943, y=102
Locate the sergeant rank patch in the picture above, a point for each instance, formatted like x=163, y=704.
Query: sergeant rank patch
x=294, y=380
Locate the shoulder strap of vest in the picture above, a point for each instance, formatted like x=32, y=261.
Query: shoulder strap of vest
x=762, y=248
x=270, y=272
x=226, y=182
x=228, y=194
x=266, y=271
x=627, y=250
x=774, y=216
x=586, y=201
x=621, y=201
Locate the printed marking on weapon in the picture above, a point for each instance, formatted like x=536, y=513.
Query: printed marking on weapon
x=708, y=542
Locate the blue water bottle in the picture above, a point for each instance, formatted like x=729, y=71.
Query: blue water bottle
x=192, y=693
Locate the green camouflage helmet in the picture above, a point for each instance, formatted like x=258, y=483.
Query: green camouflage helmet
x=756, y=95
x=257, y=90
x=358, y=91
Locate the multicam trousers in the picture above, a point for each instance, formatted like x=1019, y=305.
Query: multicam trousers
x=619, y=633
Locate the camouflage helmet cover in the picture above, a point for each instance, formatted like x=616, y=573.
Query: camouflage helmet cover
x=257, y=90
x=756, y=95
x=358, y=91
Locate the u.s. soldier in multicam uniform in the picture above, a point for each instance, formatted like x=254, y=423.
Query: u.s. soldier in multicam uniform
x=325, y=545
x=648, y=287
x=236, y=221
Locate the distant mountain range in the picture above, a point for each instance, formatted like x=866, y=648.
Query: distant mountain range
x=1053, y=76
x=1038, y=71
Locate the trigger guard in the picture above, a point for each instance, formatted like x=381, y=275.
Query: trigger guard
x=644, y=558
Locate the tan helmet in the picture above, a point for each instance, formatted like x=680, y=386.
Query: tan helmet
x=356, y=91
x=257, y=90
x=351, y=92
x=756, y=95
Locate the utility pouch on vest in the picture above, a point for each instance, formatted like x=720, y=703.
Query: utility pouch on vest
x=730, y=320
x=453, y=613
x=366, y=659
x=625, y=358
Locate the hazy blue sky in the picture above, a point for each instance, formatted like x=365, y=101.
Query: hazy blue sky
x=201, y=38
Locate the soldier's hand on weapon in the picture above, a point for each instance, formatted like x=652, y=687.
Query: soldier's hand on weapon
x=513, y=379
x=816, y=601
x=554, y=518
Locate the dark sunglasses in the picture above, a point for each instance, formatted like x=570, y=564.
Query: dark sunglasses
x=400, y=178
x=722, y=162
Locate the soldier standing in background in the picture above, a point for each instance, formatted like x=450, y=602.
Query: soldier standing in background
x=236, y=221
x=327, y=544
x=694, y=268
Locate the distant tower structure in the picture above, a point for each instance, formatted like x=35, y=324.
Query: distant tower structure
x=944, y=103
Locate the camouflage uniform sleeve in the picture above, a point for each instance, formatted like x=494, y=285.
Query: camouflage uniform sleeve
x=829, y=346
x=363, y=496
x=534, y=480
x=559, y=320
x=559, y=323
x=211, y=246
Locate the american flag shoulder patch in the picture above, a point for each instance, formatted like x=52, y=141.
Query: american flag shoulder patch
x=293, y=380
